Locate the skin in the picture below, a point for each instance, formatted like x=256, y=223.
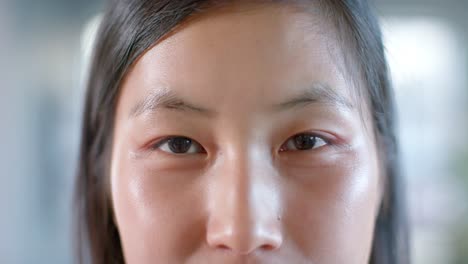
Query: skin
x=243, y=193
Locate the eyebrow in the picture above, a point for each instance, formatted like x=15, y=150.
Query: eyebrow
x=316, y=93
x=167, y=99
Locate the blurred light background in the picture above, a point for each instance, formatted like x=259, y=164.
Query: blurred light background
x=45, y=45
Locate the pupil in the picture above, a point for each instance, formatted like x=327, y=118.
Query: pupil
x=304, y=142
x=179, y=144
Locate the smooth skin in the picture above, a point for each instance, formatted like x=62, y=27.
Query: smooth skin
x=273, y=160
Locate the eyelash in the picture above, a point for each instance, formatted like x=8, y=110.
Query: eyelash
x=162, y=144
x=196, y=147
x=322, y=141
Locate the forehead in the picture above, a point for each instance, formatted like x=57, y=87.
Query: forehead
x=250, y=54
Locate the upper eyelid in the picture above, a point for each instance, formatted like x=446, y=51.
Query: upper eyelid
x=327, y=139
x=312, y=134
x=165, y=139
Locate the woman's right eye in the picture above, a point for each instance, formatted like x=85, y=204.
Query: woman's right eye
x=179, y=145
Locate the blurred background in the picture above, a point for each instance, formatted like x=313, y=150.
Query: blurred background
x=45, y=47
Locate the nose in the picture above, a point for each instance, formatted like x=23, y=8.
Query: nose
x=244, y=207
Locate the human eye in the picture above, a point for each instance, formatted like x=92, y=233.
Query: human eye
x=303, y=141
x=178, y=145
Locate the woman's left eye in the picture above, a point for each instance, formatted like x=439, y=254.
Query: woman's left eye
x=303, y=142
x=179, y=145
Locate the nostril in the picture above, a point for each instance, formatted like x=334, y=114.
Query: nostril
x=223, y=247
x=267, y=247
x=243, y=247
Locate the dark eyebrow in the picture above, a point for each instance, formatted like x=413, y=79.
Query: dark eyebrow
x=317, y=93
x=165, y=98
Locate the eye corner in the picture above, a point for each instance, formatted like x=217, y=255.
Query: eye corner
x=283, y=148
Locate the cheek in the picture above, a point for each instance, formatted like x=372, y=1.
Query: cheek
x=158, y=213
x=330, y=210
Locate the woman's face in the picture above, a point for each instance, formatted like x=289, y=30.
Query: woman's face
x=237, y=140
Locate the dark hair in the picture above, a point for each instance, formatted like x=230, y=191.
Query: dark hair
x=130, y=27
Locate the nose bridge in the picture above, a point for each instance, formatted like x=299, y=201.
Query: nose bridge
x=244, y=184
x=244, y=202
